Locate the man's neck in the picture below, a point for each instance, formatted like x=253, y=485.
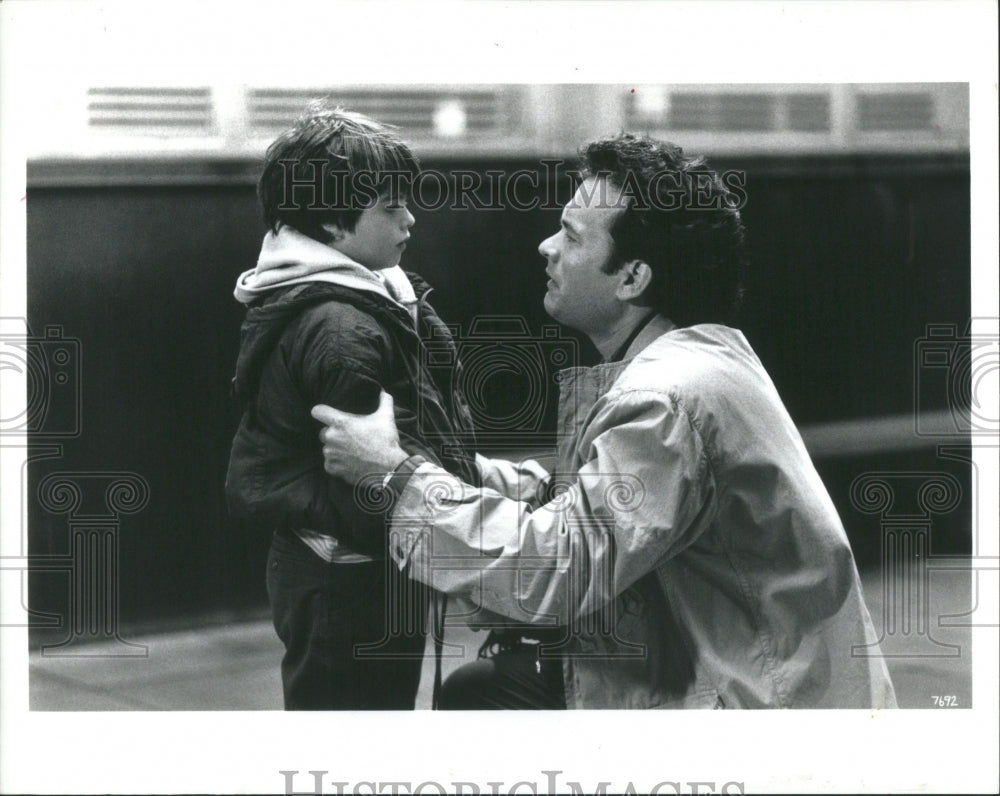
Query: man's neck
x=611, y=340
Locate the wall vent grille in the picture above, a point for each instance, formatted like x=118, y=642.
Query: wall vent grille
x=895, y=111
x=150, y=111
x=752, y=112
x=415, y=111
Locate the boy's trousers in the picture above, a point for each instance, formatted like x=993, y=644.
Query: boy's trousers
x=353, y=633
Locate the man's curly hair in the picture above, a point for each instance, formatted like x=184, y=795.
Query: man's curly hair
x=680, y=218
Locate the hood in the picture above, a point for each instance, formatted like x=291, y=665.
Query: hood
x=293, y=273
x=290, y=258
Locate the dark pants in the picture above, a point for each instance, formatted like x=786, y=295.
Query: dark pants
x=511, y=680
x=353, y=633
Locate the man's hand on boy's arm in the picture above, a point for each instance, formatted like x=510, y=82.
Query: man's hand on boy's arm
x=355, y=446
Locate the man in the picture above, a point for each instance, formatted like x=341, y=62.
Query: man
x=692, y=557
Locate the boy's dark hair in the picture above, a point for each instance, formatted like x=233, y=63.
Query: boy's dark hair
x=328, y=168
x=681, y=219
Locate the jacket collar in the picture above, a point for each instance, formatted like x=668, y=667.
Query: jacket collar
x=653, y=330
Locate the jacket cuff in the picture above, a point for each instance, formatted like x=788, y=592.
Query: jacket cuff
x=396, y=481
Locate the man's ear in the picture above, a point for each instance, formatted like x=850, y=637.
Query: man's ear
x=635, y=278
x=335, y=230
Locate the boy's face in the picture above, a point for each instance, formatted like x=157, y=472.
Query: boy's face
x=379, y=238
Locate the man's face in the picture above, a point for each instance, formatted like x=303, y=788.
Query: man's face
x=580, y=295
x=380, y=236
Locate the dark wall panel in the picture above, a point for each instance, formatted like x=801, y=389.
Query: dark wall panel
x=850, y=259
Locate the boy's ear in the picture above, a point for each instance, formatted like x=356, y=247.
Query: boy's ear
x=635, y=278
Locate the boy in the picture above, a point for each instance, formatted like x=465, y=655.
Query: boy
x=331, y=318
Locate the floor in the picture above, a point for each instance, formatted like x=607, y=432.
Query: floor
x=236, y=667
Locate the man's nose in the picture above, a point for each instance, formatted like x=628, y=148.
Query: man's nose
x=409, y=220
x=547, y=247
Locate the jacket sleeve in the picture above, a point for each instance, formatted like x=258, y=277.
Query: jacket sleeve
x=346, y=361
x=342, y=357
x=645, y=492
x=527, y=480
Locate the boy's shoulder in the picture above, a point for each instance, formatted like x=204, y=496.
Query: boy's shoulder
x=335, y=332
x=340, y=315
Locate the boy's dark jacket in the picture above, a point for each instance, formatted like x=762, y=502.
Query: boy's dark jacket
x=327, y=343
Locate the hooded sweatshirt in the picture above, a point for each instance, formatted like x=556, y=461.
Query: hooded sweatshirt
x=290, y=258
x=320, y=328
